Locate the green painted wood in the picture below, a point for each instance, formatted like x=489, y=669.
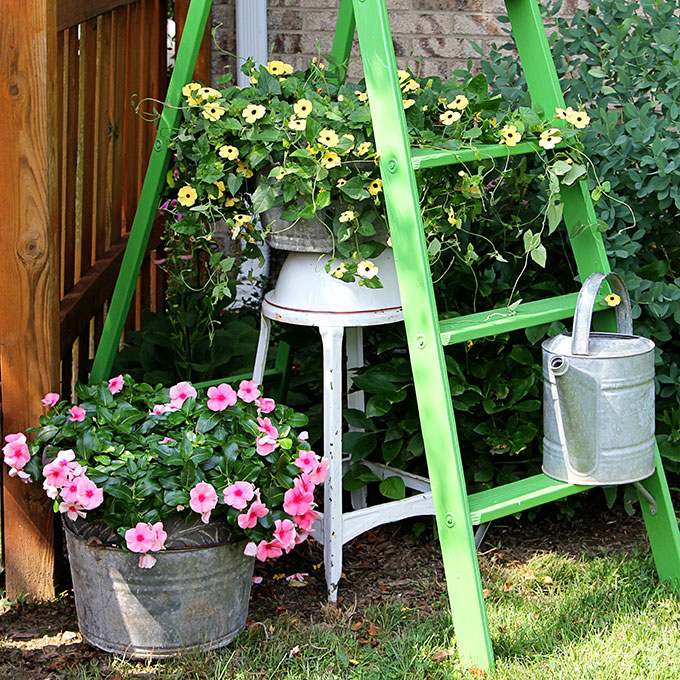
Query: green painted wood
x=342, y=39
x=422, y=326
x=662, y=527
x=527, y=314
x=430, y=158
x=508, y=499
x=185, y=62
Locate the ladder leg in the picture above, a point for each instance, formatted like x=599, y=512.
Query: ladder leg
x=662, y=526
x=355, y=359
x=331, y=338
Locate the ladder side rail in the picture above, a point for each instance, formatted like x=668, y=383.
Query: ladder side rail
x=343, y=39
x=544, y=87
x=421, y=321
x=197, y=17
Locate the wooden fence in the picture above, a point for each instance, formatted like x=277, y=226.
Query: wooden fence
x=74, y=157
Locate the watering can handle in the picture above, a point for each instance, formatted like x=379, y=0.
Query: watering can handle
x=584, y=310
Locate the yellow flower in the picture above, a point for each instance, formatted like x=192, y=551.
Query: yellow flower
x=493, y=121
x=363, y=148
x=347, y=216
x=341, y=182
x=403, y=76
x=297, y=123
x=330, y=160
x=282, y=173
x=339, y=271
x=230, y=202
x=302, y=107
x=449, y=117
x=375, y=187
x=328, y=137
x=235, y=231
x=242, y=167
x=410, y=85
x=408, y=103
x=187, y=196
x=229, y=152
x=510, y=135
x=253, y=112
x=252, y=80
x=443, y=100
x=312, y=150
x=220, y=190
x=612, y=300
x=190, y=88
x=549, y=138
x=362, y=96
x=564, y=113
x=279, y=68
x=425, y=108
x=366, y=269
x=451, y=217
x=240, y=220
x=206, y=92
x=341, y=98
x=213, y=112
x=460, y=102
x=579, y=119
x=351, y=139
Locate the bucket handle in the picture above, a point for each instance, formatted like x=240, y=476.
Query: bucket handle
x=584, y=310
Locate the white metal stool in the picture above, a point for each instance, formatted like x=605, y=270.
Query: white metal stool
x=306, y=295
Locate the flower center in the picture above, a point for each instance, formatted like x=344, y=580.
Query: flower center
x=201, y=498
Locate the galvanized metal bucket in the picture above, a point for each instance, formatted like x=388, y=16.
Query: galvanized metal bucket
x=598, y=397
x=193, y=599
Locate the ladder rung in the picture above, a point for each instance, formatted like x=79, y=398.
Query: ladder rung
x=521, y=495
x=527, y=314
x=430, y=158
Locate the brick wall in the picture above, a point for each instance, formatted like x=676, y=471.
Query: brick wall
x=430, y=36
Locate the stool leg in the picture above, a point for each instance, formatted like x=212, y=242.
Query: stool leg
x=355, y=359
x=332, y=441
x=262, y=347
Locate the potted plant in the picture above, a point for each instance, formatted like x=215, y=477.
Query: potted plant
x=168, y=496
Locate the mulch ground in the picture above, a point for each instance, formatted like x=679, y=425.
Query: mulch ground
x=37, y=641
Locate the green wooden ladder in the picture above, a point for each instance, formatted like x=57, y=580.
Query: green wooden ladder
x=456, y=510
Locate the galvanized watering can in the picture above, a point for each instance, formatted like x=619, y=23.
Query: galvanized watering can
x=598, y=397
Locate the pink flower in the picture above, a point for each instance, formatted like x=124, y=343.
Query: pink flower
x=116, y=384
x=161, y=535
x=265, y=425
x=264, y=445
x=88, y=494
x=265, y=405
x=238, y=494
x=304, y=483
x=266, y=550
x=56, y=474
x=305, y=521
x=300, y=576
x=301, y=536
x=256, y=579
x=319, y=475
x=248, y=390
x=296, y=501
x=203, y=500
x=250, y=549
x=23, y=476
x=141, y=538
x=146, y=561
x=50, y=399
x=303, y=436
x=16, y=451
x=221, y=397
x=159, y=409
x=180, y=392
x=77, y=414
x=307, y=461
x=51, y=491
x=68, y=492
x=65, y=458
x=284, y=534
x=72, y=510
x=248, y=519
x=167, y=440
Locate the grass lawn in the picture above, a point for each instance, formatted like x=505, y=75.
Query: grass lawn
x=553, y=614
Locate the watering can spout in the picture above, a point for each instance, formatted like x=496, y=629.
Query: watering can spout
x=576, y=406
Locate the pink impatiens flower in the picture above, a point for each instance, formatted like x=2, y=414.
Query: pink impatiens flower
x=16, y=451
x=203, y=499
x=140, y=538
x=264, y=445
x=239, y=494
x=284, y=534
x=265, y=405
x=220, y=397
x=305, y=521
x=319, y=475
x=57, y=475
x=88, y=494
x=248, y=519
x=160, y=536
x=304, y=483
x=69, y=492
x=265, y=425
x=248, y=390
x=265, y=550
x=307, y=461
x=180, y=392
x=159, y=409
x=50, y=399
x=297, y=501
x=72, y=510
x=77, y=414
x=116, y=384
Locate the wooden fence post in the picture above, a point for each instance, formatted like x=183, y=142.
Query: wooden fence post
x=203, y=71
x=29, y=304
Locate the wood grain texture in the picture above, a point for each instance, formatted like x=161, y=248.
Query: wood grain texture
x=73, y=12
x=203, y=70
x=28, y=313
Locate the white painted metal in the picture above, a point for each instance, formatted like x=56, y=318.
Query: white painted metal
x=251, y=35
x=354, y=344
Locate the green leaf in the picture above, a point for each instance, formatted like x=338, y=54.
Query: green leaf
x=359, y=444
x=539, y=255
x=554, y=213
x=263, y=198
x=393, y=487
x=576, y=171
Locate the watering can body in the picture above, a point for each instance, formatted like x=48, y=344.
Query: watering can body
x=598, y=397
